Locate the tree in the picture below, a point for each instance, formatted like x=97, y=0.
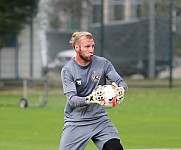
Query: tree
x=14, y=16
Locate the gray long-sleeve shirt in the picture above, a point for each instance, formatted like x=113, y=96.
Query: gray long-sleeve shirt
x=79, y=81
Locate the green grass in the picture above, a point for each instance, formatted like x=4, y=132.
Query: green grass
x=148, y=118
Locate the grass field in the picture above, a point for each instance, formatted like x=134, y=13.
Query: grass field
x=148, y=118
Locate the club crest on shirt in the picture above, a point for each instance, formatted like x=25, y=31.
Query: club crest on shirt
x=95, y=77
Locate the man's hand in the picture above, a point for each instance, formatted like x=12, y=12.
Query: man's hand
x=119, y=91
x=95, y=96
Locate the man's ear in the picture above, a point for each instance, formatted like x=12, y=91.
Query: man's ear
x=76, y=47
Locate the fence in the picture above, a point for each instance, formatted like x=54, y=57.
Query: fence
x=140, y=37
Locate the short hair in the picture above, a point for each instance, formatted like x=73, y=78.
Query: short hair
x=77, y=35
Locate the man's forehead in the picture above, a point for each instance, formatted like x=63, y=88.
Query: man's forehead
x=87, y=40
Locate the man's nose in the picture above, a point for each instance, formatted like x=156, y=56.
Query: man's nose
x=92, y=49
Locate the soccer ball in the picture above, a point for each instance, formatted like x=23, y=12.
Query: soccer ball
x=110, y=98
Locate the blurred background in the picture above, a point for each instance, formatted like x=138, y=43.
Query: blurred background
x=140, y=37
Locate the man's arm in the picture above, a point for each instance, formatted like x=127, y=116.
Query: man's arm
x=74, y=100
x=113, y=76
x=93, y=98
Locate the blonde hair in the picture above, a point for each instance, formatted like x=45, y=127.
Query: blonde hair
x=77, y=35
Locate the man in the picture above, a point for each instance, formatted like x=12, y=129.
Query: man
x=85, y=118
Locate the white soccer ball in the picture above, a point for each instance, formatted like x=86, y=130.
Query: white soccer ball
x=110, y=98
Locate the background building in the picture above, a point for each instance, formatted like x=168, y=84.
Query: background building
x=133, y=33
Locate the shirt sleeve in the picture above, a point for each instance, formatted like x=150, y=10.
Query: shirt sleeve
x=70, y=91
x=74, y=100
x=113, y=76
x=67, y=81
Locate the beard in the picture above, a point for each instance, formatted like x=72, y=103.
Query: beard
x=85, y=58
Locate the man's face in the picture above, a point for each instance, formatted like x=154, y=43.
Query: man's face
x=85, y=49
